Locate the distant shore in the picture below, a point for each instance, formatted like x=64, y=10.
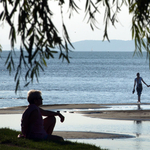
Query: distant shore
x=93, y=111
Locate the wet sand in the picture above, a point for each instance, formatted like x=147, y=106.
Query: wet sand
x=96, y=112
x=141, y=115
x=20, y=109
x=89, y=135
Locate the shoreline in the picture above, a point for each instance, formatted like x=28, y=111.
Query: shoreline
x=98, y=111
x=89, y=135
x=102, y=111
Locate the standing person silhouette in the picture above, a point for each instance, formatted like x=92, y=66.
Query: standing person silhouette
x=138, y=83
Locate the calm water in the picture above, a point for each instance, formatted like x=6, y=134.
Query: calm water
x=91, y=77
x=139, y=130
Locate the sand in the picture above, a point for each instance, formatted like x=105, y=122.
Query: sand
x=20, y=109
x=138, y=115
x=88, y=135
x=141, y=115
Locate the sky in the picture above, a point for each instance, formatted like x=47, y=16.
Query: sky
x=78, y=28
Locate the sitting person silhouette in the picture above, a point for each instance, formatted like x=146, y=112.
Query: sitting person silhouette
x=33, y=126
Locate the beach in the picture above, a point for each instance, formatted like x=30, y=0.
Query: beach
x=99, y=111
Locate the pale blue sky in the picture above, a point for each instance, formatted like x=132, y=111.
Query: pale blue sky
x=78, y=28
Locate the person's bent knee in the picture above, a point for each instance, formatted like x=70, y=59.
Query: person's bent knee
x=51, y=119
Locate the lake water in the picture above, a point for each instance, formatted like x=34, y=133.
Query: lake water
x=90, y=77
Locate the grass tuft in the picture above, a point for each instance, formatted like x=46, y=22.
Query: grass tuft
x=9, y=140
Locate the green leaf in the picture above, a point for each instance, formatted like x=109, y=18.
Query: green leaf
x=17, y=85
x=27, y=74
x=1, y=15
x=44, y=63
x=30, y=31
x=26, y=84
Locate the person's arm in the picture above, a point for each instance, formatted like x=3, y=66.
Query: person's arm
x=52, y=113
x=144, y=82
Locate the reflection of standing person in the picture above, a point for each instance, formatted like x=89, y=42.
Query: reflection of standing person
x=138, y=83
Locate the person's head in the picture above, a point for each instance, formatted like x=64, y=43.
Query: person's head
x=138, y=74
x=34, y=97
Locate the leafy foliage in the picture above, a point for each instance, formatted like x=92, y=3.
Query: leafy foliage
x=141, y=24
x=39, y=36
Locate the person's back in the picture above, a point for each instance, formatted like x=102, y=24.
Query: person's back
x=32, y=130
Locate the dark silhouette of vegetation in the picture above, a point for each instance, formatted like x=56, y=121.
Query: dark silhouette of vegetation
x=39, y=35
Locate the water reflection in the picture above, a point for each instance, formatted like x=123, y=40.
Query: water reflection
x=139, y=134
x=138, y=127
x=139, y=106
x=139, y=124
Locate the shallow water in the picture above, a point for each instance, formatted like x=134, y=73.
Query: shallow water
x=77, y=122
x=130, y=107
x=118, y=107
x=137, y=129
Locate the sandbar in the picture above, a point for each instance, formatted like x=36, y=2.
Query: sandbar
x=96, y=112
x=136, y=115
x=93, y=111
x=89, y=135
x=20, y=109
